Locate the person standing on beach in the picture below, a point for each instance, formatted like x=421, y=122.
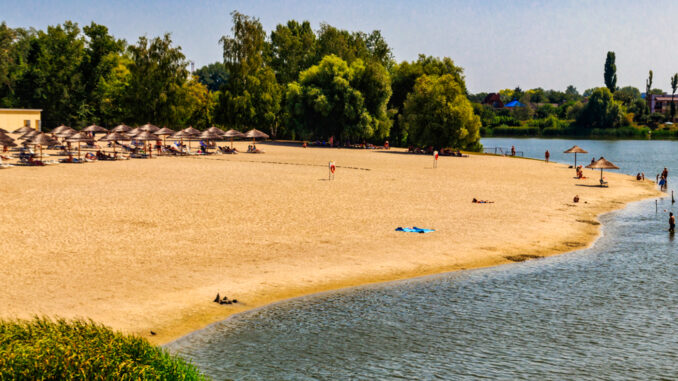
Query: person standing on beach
x=665, y=174
x=513, y=150
x=672, y=223
x=547, y=155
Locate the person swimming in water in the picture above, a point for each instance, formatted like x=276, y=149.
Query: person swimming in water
x=672, y=223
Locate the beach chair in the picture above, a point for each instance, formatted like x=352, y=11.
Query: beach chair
x=603, y=183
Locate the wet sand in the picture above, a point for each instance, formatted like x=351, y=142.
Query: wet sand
x=144, y=245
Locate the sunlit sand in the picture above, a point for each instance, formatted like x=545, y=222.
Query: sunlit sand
x=144, y=245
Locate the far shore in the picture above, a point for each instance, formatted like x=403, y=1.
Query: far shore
x=146, y=244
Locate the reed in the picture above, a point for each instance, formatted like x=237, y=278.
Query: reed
x=46, y=349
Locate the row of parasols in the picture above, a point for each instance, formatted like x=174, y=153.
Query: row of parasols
x=595, y=164
x=147, y=132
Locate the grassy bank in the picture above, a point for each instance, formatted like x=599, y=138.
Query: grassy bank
x=43, y=349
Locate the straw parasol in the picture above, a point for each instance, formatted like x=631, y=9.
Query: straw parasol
x=233, y=134
x=134, y=131
x=23, y=130
x=59, y=129
x=114, y=137
x=164, y=132
x=602, y=164
x=216, y=130
x=40, y=140
x=79, y=138
x=575, y=150
x=121, y=128
x=190, y=131
x=149, y=127
x=65, y=132
x=3, y=130
x=146, y=136
x=6, y=140
x=28, y=135
x=210, y=135
x=254, y=134
x=94, y=129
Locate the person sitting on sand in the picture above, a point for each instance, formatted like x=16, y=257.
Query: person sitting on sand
x=576, y=198
x=638, y=176
x=476, y=201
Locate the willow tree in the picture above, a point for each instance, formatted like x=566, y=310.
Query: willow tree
x=438, y=113
x=336, y=99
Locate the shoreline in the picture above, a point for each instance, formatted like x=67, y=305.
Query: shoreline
x=143, y=245
x=371, y=283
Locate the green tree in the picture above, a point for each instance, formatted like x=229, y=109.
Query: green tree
x=335, y=99
x=251, y=97
x=610, y=72
x=214, y=76
x=648, y=88
x=601, y=111
x=674, y=86
x=292, y=50
x=437, y=113
x=53, y=80
x=627, y=95
x=244, y=52
x=403, y=78
x=157, y=75
x=572, y=93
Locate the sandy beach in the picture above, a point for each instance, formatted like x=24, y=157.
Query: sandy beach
x=143, y=245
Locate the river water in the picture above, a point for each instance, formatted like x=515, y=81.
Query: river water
x=607, y=312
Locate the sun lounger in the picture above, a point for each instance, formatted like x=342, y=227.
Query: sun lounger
x=603, y=183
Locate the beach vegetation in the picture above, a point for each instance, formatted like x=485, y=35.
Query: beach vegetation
x=45, y=349
x=437, y=113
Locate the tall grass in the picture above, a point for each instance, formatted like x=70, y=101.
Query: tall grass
x=45, y=349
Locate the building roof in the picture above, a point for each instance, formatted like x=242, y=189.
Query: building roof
x=665, y=98
x=514, y=103
x=20, y=109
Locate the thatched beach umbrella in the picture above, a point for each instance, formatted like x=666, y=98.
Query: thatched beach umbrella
x=164, y=132
x=145, y=136
x=121, y=128
x=94, y=129
x=65, y=132
x=134, y=131
x=602, y=164
x=6, y=140
x=59, y=129
x=216, y=130
x=114, y=137
x=190, y=131
x=3, y=130
x=149, y=127
x=23, y=130
x=79, y=138
x=40, y=140
x=233, y=134
x=255, y=134
x=575, y=150
x=28, y=135
x=210, y=135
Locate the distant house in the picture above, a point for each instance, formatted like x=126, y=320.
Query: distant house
x=514, y=103
x=494, y=100
x=662, y=103
x=13, y=118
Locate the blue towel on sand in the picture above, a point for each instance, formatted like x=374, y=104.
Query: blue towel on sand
x=414, y=229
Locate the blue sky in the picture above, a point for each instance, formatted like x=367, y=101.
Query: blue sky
x=500, y=44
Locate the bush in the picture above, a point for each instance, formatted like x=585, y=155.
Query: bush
x=42, y=349
x=515, y=131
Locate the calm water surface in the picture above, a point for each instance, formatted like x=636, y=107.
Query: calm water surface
x=608, y=312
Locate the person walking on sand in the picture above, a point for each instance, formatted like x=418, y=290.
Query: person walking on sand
x=513, y=150
x=547, y=155
x=672, y=223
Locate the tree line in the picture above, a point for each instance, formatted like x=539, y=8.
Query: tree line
x=606, y=111
x=293, y=82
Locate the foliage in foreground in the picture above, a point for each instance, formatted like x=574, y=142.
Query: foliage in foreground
x=54, y=350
